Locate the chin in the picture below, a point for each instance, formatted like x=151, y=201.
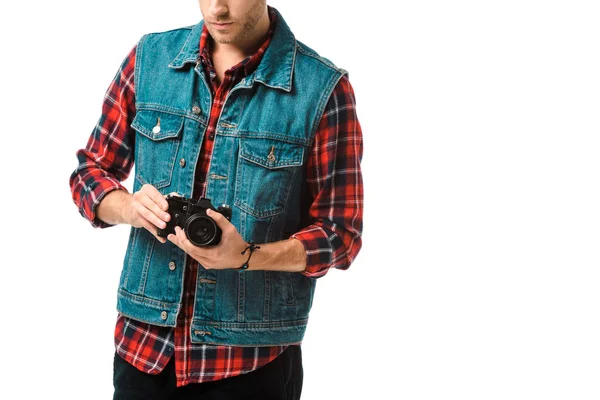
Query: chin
x=223, y=39
x=220, y=38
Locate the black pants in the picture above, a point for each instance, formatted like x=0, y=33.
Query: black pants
x=281, y=379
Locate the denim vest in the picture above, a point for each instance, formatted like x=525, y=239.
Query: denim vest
x=261, y=145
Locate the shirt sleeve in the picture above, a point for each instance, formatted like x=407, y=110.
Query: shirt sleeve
x=335, y=186
x=108, y=157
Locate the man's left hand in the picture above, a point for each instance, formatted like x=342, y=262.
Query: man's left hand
x=226, y=254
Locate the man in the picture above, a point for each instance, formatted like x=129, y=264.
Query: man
x=236, y=110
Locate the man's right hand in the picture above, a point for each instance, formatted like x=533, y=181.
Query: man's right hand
x=147, y=208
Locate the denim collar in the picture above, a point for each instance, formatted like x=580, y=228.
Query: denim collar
x=276, y=67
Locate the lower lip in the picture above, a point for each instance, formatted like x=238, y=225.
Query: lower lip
x=221, y=26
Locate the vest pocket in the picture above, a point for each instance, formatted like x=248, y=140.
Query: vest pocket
x=156, y=146
x=265, y=174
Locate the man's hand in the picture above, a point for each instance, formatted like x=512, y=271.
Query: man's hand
x=147, y=208
x=226, y=254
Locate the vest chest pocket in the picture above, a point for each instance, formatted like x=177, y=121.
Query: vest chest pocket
x=267, y=169
x=156, y=146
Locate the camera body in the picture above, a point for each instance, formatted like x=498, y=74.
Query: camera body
x=190, y=215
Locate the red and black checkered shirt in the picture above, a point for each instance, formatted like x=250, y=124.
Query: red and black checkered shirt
x=334, y=183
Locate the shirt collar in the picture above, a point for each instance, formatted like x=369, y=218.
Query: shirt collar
x=275, y=68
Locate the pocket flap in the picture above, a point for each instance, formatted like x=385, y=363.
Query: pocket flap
x=271, y=153
x=157, y=125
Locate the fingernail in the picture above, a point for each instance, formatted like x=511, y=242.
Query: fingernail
x=208, y=211
x=167, y=217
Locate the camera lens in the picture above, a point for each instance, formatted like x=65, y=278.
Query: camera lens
x=200, y=229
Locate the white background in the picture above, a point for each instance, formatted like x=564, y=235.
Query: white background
x=479, y=274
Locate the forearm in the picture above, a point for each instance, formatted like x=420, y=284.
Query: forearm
x=107, y=158
x=285, y=255
x=334, y=184
x=112, y=209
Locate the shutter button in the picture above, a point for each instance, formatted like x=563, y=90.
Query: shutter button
x=163, y=315
x=182, y=162
x=172, y=266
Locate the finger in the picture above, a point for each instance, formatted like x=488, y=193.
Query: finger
x=155, y=209
x=173, y=194
x=174, y=239
x=177, y=240
x=152, y=229
x=183, y=240
x=155, y=195
x=149, y=215
x=219, y=218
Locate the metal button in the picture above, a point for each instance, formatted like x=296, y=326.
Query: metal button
x=196, y=110
x=182, y=162
x=172, y=266
x=163, y=315
x=211, y=136
x=156, y=128
x=271, y=156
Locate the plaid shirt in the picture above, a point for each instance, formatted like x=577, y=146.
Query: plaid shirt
x=334, y=183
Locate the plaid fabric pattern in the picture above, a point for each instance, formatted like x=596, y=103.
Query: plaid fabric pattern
x=107, y=159
x=334, y=183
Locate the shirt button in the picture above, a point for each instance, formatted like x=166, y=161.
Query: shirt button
x=182, y=162
x=172, y=266
x=211, y=136
x=163, y=315
x=196, y=110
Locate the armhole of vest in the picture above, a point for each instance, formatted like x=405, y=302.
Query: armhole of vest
x=325, y=99
x=136, y=72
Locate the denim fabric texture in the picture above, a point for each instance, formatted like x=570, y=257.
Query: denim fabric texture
x=264, y=132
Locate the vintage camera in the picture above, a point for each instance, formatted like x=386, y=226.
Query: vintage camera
x=190, y=215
